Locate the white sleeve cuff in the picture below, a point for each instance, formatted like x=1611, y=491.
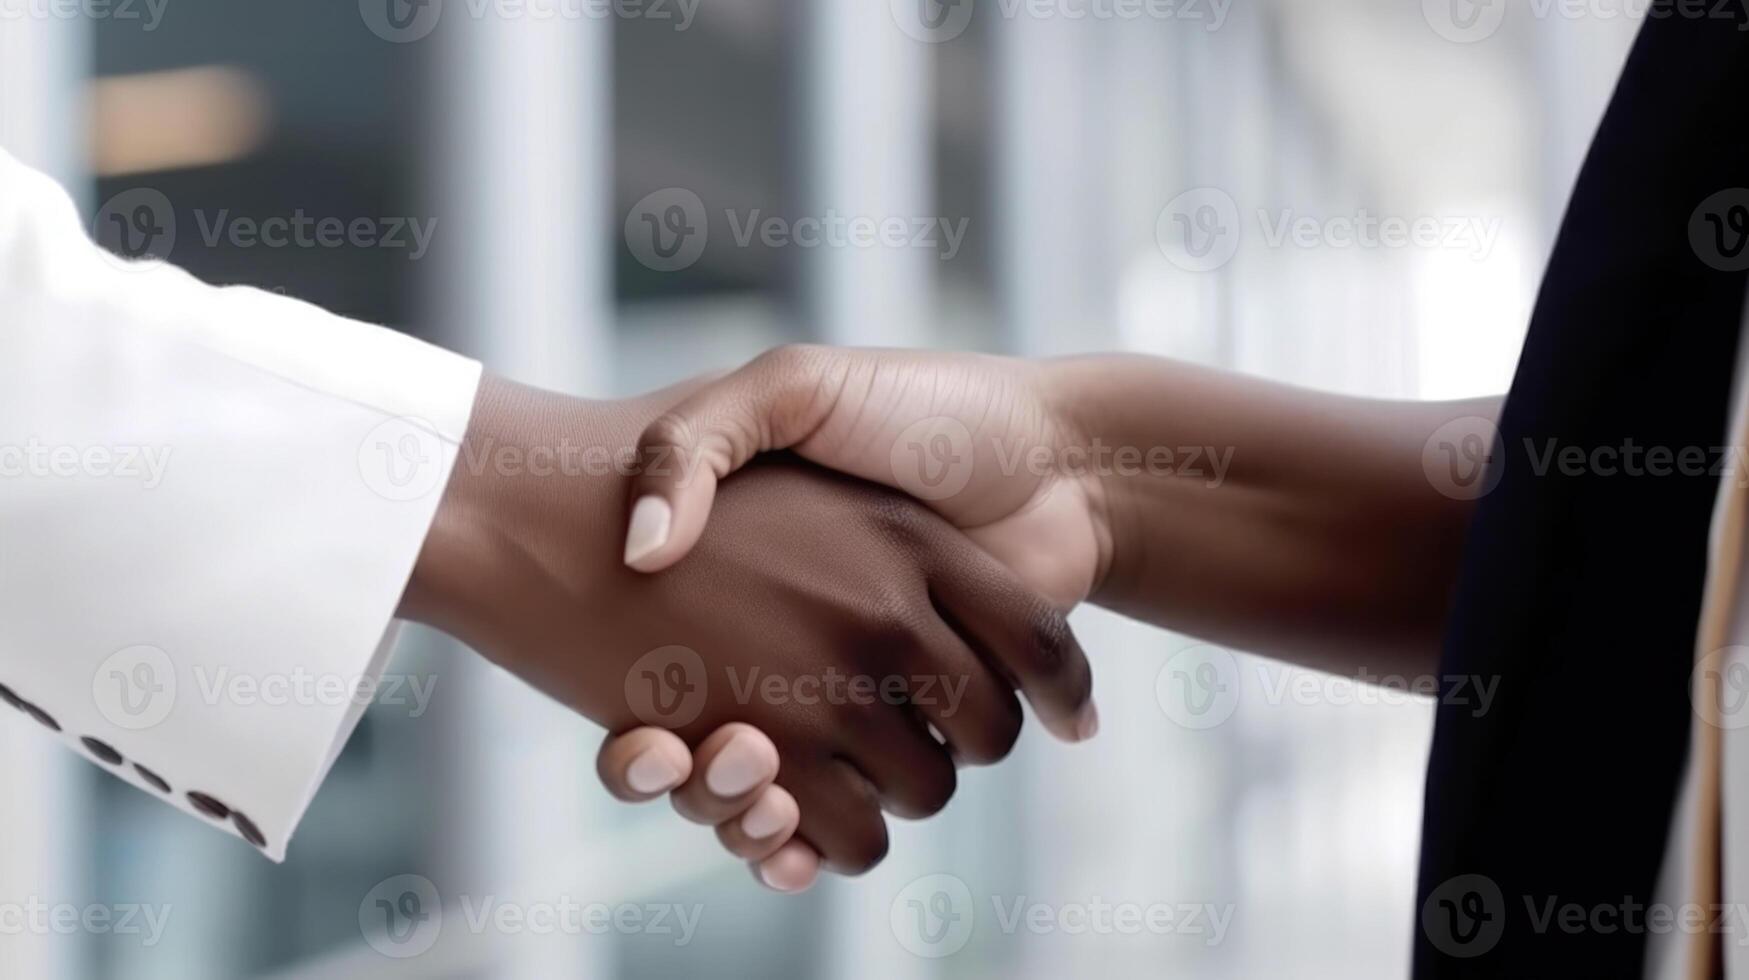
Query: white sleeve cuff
x=211, y=501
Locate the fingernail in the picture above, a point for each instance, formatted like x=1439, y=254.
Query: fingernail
x=737, y=768
x=1087, y=725
x=771, y=879
x=651, y=517
x=652, y=773
x=765, y=818
x=780, y=873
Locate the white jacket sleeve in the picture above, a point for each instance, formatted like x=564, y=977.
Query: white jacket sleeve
x=211, y=500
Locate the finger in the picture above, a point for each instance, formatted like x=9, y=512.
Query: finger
x=841, y=817
x=792, y=869
x=973, y=708
x=912, y=772
x=730, y=768
x=643, y=763
x=1023, y=636
x=773, y=402
x=766, y=826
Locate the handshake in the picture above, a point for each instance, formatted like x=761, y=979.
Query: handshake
x=821, y=636
x=820, y=583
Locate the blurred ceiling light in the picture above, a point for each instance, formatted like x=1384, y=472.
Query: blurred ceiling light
x=166, y=120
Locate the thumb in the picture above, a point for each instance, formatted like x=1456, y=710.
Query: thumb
x=773, y=402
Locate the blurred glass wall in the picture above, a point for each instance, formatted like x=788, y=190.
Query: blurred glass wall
x=1355, y=195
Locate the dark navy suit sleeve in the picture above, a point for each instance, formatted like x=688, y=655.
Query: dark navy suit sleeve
x=1580, y=589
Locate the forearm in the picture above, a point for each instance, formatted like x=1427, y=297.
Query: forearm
x=1308, y=528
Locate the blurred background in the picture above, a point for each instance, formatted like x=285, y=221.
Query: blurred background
x=575, y=191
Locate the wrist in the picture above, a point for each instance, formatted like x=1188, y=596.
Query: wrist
x=529, y=512
x=443, y=590
x=1075, y=414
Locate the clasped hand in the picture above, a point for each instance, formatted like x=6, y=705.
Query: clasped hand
x=854, y=613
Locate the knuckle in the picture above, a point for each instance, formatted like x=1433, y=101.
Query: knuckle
x=895, y=642
x=786, y=358
x=1052, y=642
x=861, y=726
x=855, y=832
x=670, y=429
x=677, y=444
x=895, y=622
x=897, y=518
x=996, y=739
x=864, y=851
x=933, y=791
